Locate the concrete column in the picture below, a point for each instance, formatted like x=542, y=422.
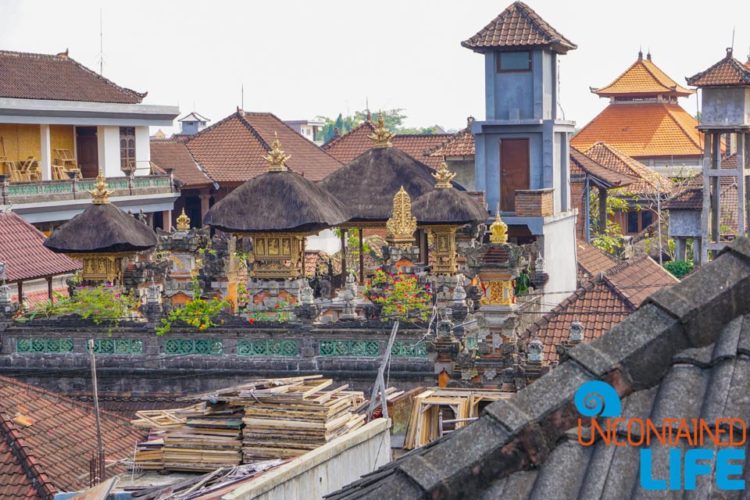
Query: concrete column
x=697, y=251
x=706, y=211
x=166, y=217
x=204, y=205
x=45, y=153
x=142, y=151
x=680, y=248
x=108, y=139
x=741, y=186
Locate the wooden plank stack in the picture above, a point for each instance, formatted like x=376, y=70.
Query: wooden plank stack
x=260, y=420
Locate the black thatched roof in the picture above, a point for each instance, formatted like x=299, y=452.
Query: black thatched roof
x=448, y=206
x=277, y=201
x=101, y=229
x=366, y=186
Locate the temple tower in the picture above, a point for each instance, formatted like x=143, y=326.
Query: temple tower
x=522, y=147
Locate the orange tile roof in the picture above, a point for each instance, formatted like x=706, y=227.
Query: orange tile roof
x=54, y=450
x=591, y=260
x=648, y=181
x=643, y=130
x=349, y=146
x=600, y=303
x=727, y=72
x=24, y=254
x=518, y=26
x=174, y=154
x=460, y=144
x=643, y=78
x=232, y=150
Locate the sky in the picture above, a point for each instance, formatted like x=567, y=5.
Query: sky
x=300, y=59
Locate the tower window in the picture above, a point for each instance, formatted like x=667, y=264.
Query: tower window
x=514, y=61
x=127, y=148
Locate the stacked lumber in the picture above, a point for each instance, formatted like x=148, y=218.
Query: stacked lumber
x=437, y=412
x=200, y=438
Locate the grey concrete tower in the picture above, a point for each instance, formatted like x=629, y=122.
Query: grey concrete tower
x=725, y=113
x=522, y=147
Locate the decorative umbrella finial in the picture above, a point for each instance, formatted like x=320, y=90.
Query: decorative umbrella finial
x=381, y=136
x=402, y=224
x=498, y=230
x=183, y=221
x=276, y=158
x=443, y=176
x=100, y=195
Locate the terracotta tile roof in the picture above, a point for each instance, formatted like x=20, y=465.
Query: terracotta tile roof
x=580, y=163
x=349, y=146
x=174, y=154
x=727, y=72
x=591, y=260
x=648, y=181
x=56, y=447
x=126, y=404
x=643, y=130
x=643, y=78
x=600, y=303
x=232, y=150
x=25, y=256
x=461, y=144
x=14, y=483
x=518, y=26
x=57, y=77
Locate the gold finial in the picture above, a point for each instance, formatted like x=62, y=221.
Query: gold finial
x=100, y=195
x=443, y=176
x=276, y=158
x=381, y=136
x=402, y=224
x=498, y=230
x=183, y=221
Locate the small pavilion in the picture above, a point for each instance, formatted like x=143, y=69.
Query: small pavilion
x=102, y=237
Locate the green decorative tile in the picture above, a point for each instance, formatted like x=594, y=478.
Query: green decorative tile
x=361, y=348
x=268, y=347
x=402, y=349
x=44, y=345
x=193, y=346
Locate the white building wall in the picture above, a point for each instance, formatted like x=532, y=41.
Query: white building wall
x=45, y=160
x=325, y=241
x=325, y=469
x=108, y=139
x=559, y=254
x=142, y=151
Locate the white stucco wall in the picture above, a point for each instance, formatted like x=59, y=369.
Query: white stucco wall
x=325, y=469
x=142, y=151
x=324, y=241
x=559, y=253
x=109, y=150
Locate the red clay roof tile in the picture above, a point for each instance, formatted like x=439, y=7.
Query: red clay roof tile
x=648, y=181
x=518, y=26
x=57, y=77
x=593, y=261
x=727, y=72
x=61, y=439
x=174, y=154
x=23, y=252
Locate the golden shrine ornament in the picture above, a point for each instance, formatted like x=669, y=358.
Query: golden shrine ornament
x=276, y=157
x=100, y=194
x=443, y=176
x=381, y=136
x=498, y=230
x=402, y=224
x=183, y=221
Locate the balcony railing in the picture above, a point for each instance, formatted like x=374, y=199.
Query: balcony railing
x=74, y=189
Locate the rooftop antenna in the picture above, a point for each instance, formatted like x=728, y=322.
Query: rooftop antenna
x=101, y=44
x=733, y=27
x=242, y=96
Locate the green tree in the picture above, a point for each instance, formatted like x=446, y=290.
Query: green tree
x=610, y=239
x=393, y=119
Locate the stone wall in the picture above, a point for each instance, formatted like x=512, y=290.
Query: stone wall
x=132, y=359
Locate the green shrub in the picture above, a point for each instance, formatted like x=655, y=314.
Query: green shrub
x=679, y=268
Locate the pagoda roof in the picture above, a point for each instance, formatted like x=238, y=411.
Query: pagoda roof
x=643, y=78
x=728, y=72
x=643, y=130
x=102, y=228
x=277, y=201
x=518, y=26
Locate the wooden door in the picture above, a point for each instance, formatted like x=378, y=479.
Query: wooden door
x=87, y=151
x=514, y=171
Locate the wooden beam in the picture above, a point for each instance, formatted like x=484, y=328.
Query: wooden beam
x=361, y=256
x=602, y=211
x=49, y=288
x=343, y=252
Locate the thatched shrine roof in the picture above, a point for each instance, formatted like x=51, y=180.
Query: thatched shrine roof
x=102, y=228
x=448, y=206
x=277, y=201
x=366, y=186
